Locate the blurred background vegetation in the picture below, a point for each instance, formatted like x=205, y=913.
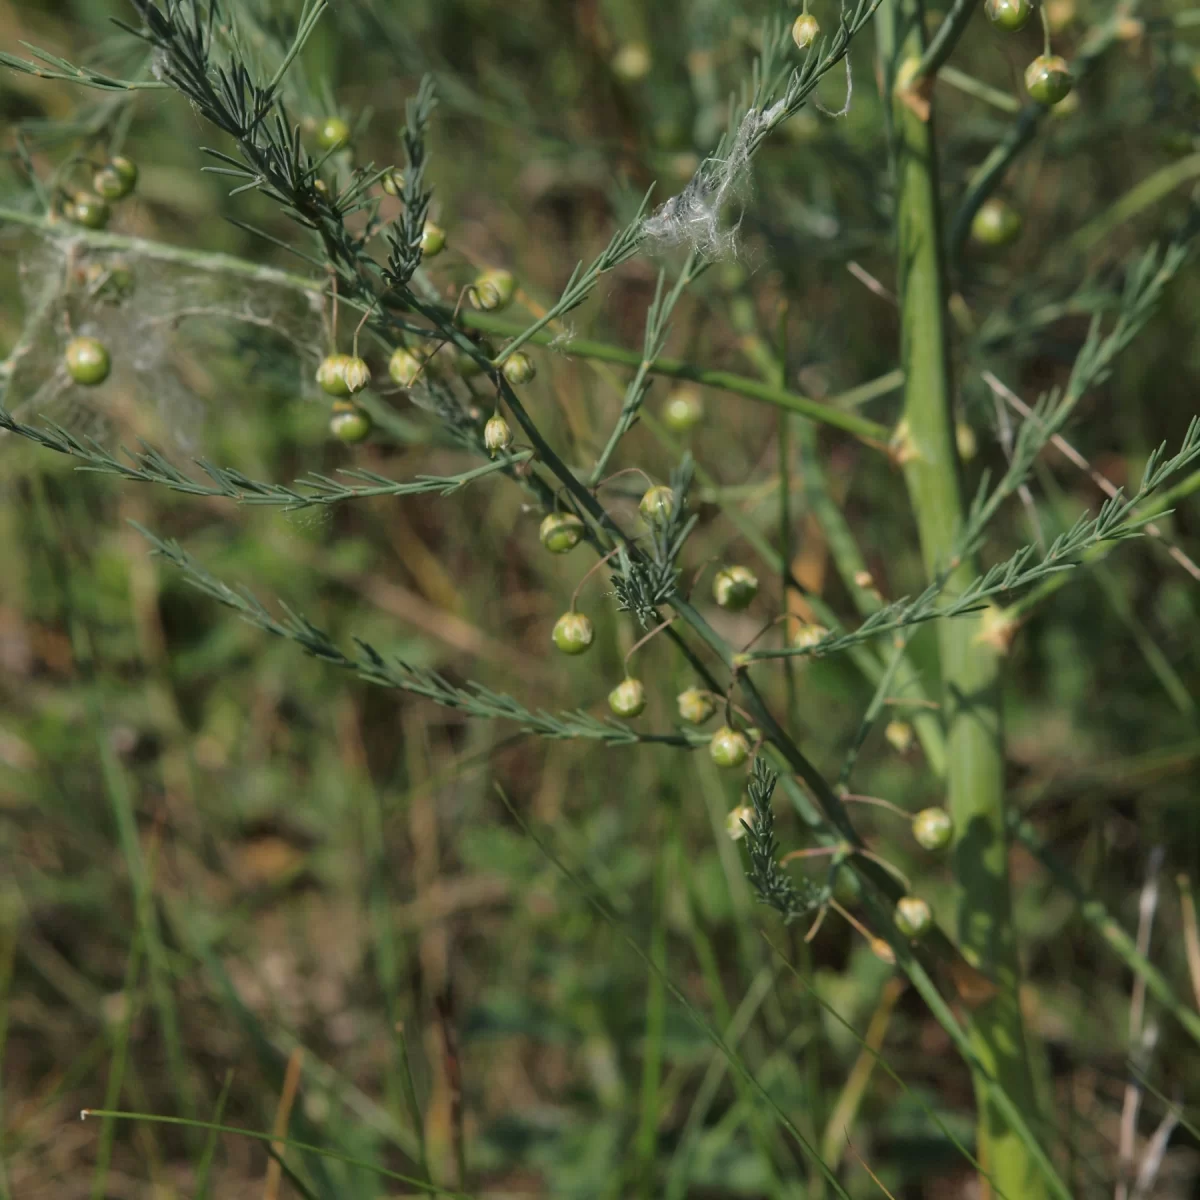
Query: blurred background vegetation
x=216, y=853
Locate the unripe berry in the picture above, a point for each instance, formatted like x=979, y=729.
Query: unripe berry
x=106, y=183
x=573, y=633
x=632, y=62
x=735, y=587
x=933, y=828
x=493, y=290
x=913, y=916
x=996, y=223
x=1048, y=79
x=392, y=182
x=87, y=361
x=683, y=410
x=695, y=706
x=127, y=169
x=737, y=820
x=657, y=505
x=561, y=532
x=519, y=368
x=349, y=423
x=899, y=735
x=628, y=698
x=1009, y=15
x=497, y=435
x=331, y=375
x=809, y=635
x=404, y=367
x=728, y=747
x=88, y=210
x=805, y=31
x=333, y=133
x=433, y=240
x=965, y=440
x=115, y=180
x=356, y=374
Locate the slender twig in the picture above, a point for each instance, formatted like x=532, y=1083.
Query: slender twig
x=1191, y=932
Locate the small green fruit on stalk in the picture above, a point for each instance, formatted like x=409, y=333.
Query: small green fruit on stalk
x=1048, y=79
x=87, y=361
x=728, y=747
x=561, y=532
x=573, y=633
x=628, y=698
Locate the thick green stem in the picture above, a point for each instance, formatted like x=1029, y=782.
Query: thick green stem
x=969, y=668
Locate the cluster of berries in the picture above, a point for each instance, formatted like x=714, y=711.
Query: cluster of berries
x=111, y=182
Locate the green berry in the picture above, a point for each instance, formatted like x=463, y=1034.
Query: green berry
x=657, y=505
x=519, y=368
x=433, y=240
x=809, y=635
x=965, y=440
x=404, y=367
x=1009, y=15
x=349, y=423
x=683, y=410
x=933, y=828
x=805, y=31
x=913, y=916
x=632, y=62
x=92, y=212
x=106, y=183
x=561, y=532
x=497, y=435
x=899, y=735
x=331, y=375
x=87, y=361
x=492, y=290
x=127, y=169
x=728, y=747
x=116, y=179
x=695, y=706
x=333, y=133
x=1048, y=79
x=735, y=587
x=355, y=374
x=736, y=821
x=573, y=633
x=392, y=182
x=996, y=223
x=628, y=698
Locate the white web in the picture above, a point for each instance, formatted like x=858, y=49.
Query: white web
x=175, y=334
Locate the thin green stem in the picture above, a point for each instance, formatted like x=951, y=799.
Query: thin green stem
x=942, y=45
x=1142, y=195
x=969, y=669
x=828, y=413
x=1096, y=915
x=971, y=86
x=293, y=1143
